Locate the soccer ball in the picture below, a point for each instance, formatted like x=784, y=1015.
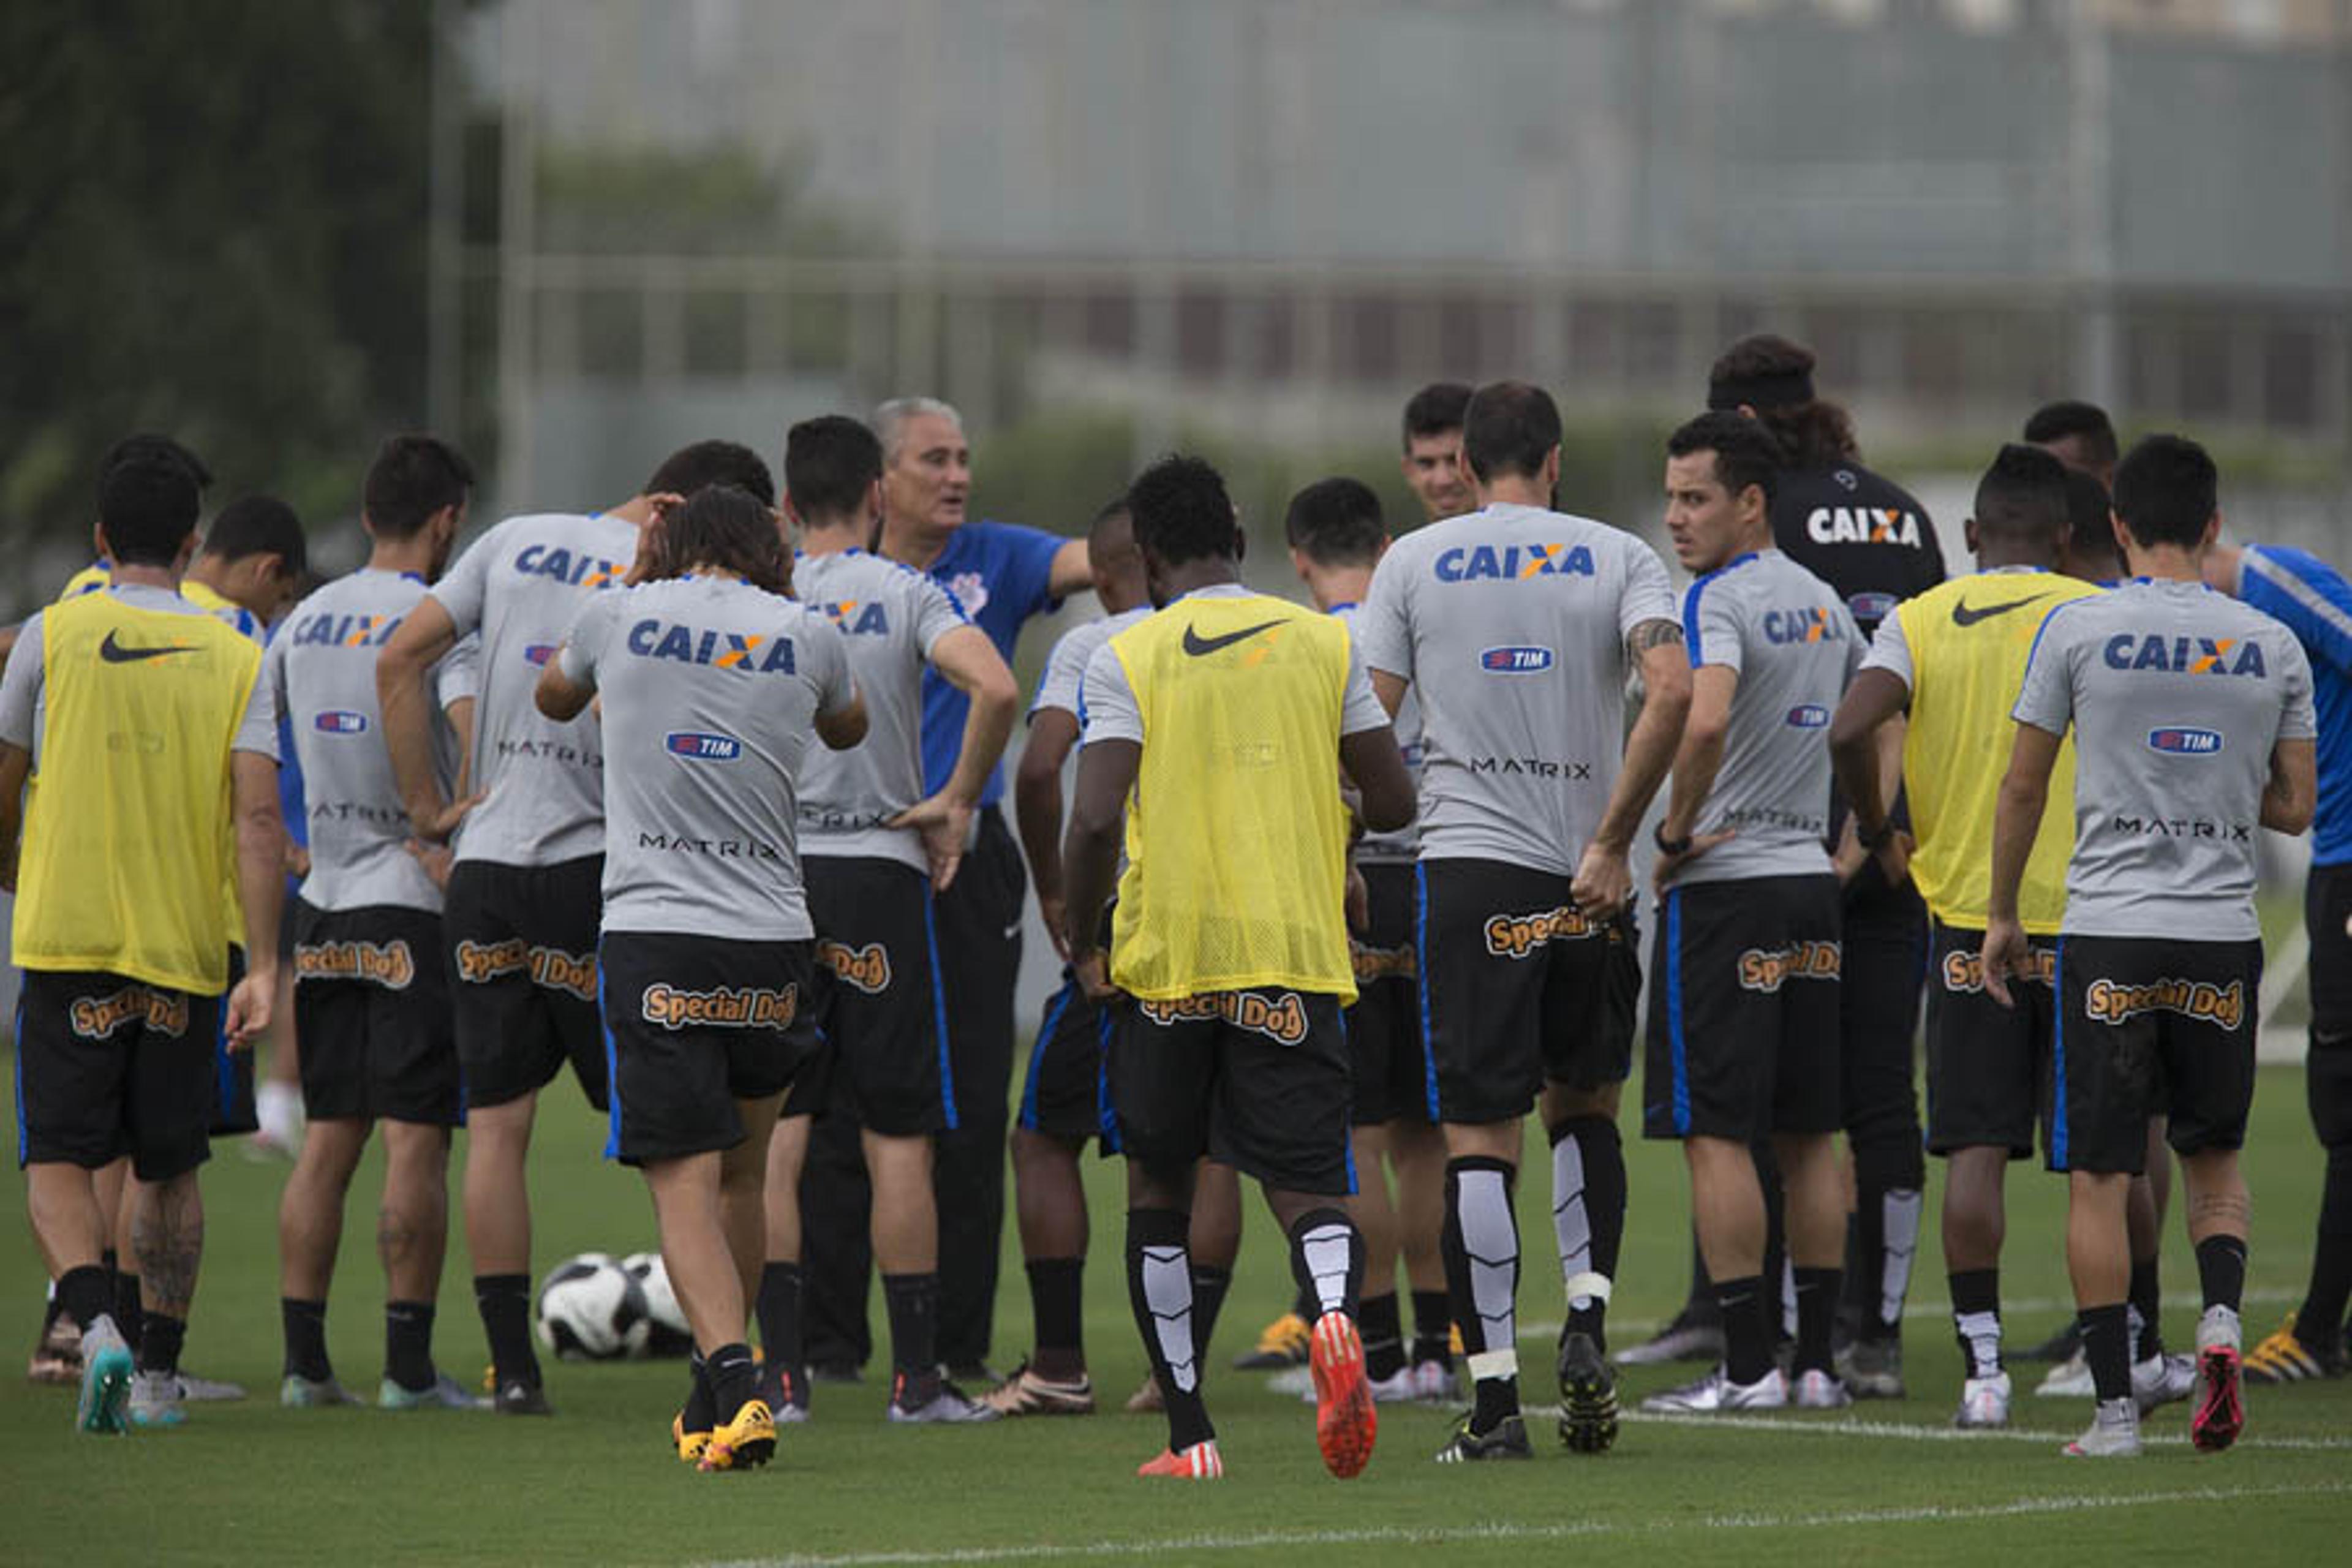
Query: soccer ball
x=592, y=1309
x=669, y=1337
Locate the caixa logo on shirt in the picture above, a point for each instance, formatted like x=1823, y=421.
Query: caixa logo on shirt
x=2186, y=742
x=701, y=746
x=574, y=571
x=1503, y=562
x=1811, y=624
x=340, y=721
x=2185, y=656
x=1515, y=660
x=858, y=618
x=344, y=631
x=1863, y=525
x=754, y=651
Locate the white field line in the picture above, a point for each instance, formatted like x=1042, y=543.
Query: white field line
x=1622, y=1330
x=1284, y=1539
x=1905, y=1432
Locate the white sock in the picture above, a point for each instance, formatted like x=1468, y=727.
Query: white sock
x=1899, y=1224
x=1325, y=1249
x=1168, y=1291
x=1490, y=1237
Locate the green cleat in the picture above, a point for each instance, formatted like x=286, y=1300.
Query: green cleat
x=106, y=1375
x=444, y=1393
x=299, y=1393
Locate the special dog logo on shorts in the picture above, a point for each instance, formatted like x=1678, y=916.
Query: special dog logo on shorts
x=100, y=1017
x=479, y=963
x=388, y=964
x=867, y=967
x=1382, y=963
x=1282, y=1020
x=1763, y=970
x=561, y=970
x=2111, y=1004
x=726, y=1008
x=1964, y=972
x=1516, y=936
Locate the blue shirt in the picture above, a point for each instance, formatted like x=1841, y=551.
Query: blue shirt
x=2316, y=603
x=1001, y=574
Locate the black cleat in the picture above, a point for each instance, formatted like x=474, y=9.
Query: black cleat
x=1508, y=1440
x=1588, y=1397
x=516, y=1397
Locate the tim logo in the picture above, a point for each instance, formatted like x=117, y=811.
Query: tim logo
x=726, y=1008
x=2185, y=656
x=539, y=653
x=1516, y=936
x=101, y=1017
x=1964, y=972
x=1281, y=1018
x=2185, y=743
x=1760, y=970
x=1515, y=660
x=2111, y=1004
x=867, y=967
x=698, y=746
x=340, y=721
x=1807, y=716
x=1871, y=606
x=1814, y=625
x=1507, y=563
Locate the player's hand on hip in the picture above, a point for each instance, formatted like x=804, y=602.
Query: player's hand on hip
x=435, y=827
x=944, y=824
x=1669, y=866
x=2006, y=953
x=248, y=1007
x=435, y=858
x=1603, y=883
x=1092, y=972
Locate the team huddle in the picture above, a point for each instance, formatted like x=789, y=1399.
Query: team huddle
x=700, y=799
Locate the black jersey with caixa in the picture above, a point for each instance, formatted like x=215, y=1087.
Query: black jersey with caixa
x=1865, y=535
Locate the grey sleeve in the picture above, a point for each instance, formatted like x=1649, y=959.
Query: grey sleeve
x=1890, y=650
x=1359, y=709
x=584, y=643
x=461, y=590
x=20, y=688
x=1382, y=629
x=1107, y=706
x=1855, y=650
x=273, y=676
x=257, y=731
x=458, y=676
x=936, y=613
x=2046, y=700
x=835, y=688
x=1712, y=623
x=2299, y=721
x=1649, y=593
x=1065, y=670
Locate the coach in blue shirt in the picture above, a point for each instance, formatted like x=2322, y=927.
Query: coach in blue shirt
x=1002, y=574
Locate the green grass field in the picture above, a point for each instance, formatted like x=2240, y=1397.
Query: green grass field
x=249, y=1483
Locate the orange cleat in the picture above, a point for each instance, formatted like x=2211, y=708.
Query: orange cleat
x=1200, y=1462
x=1345, y=1420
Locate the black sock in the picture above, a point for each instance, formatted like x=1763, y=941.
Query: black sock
x=1700, y=1308
x=779, y=1311
x=85, y=1295
x=1057, y=1305
x=1817, y=1304
x=1433, y=1327
x=129, y=1316
x=1889, y=1177
x=504, y=1301
x=408, y=1344
x=305, y=1326
x=1975, y=1319
x=702, y=1412
x=2221, y=1270
x=160, y=1338
x=912, y=1301
x=1159, y=1289
x=1588, y=1198
x=1383, y=1336
x=1210, y=1284
x=51, y=1310
x=1326, y=1259
x=2106, y=1345
x=1747, y=1341
x=2322, y=1314
x=1302, y=1304
x=2146, y=1301
x=1481, y=1242
x=733, y=1377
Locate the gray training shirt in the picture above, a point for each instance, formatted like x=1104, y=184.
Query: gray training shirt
x=1795, y=645
x=712, y=690
x=892, y=618
x=1065, y=667
x=320, y=671
x=520, y=586
x=2176, y=695
x=1402, y=847
x=1510, y=622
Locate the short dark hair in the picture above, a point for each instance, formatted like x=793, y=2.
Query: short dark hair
x=724, y=526
x=1774, y=376
x=1744, y=454
x=147, y=505
x=1111, y=519
x=2023, y=495
x=689, y=469
x=2072, y=417
x=1181, y=510
x=2167, y=489
x=148, y=443
x=1435, y=409
x=413, y=476
x=257, y=525
x=1508, y=427
x=830, y=463
x=1336, y=522
x=2090, y=515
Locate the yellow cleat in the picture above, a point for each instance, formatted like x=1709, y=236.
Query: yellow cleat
x=1283, y=1343
x=2284, y=1358
x=690, y=1444
x=744, y=1443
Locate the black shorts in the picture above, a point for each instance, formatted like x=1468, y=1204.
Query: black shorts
x=1987, y=1066
x=1067, y=1093
x=1255, y=1079
x=522, y=957
x=372, y=1004
x=876, y=1003
x=2151, y=1026
x=107, y=1067
x=1883, y=938
x=2328, y=918
x=1384, y=1038
x=698, y=1023
x=1743, y=1033
x=1518, y=989
x=235, y=1109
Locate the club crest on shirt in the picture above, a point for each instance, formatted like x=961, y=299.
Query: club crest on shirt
x=867, y=967
x=101, y=1017
x=1766, y=969
x=971, y=591
x=1280, y=1019
x=2112, y=1003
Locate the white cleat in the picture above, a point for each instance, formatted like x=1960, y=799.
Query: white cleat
x=1984, y=1404
x=1433, y=1382
x=1717, y=1394
x=2163, y=1380
x=1818, y=1390
x=2069, y=1379
x=2114, y=1433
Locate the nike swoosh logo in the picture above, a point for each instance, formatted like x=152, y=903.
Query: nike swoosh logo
x=1962, y=615
x=115, y=653
x=1196, y=645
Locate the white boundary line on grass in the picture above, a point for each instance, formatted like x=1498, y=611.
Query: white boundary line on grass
x=1924, y=1310
x=1905, y=1432
x=1274, y=1539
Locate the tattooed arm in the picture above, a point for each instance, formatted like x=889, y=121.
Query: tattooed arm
x=1604, y=880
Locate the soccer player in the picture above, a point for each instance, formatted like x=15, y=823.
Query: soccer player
x=1743, y=1038
x=2312, y=600
x=118, y=919
x=1064, y=1098
x=875, y=850
x=2090, y=548
x=1002, y=574
x=1515, y=625
x=713, y=684
x=2079, y=435
x=2192, y=723
x=520, y=914
x=1951, y=658
x=1217, y=729
x=370, y=969
x=1433, y=450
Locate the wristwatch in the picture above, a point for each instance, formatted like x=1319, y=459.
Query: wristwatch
x=1872, y=842
x=1669, y=845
